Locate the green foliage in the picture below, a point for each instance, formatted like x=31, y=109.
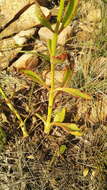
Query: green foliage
x=75, y=92
x=62, y=149
x=11, y=107
x=69, y=13
x=41, y=17
x=59, y=114
x=35, y=77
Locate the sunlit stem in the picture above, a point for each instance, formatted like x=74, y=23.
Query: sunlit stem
x=22, y=125
x=52, y=50
x=51, y=92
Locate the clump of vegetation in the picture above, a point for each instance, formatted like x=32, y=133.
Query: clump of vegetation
x=65, y=15
x=61, y=159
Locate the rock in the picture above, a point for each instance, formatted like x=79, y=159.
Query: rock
x=25, y=21
x=26, y=61
x=45, y=34
x=22, y=36
x=59, y=76
x=40, y=47
x=10, y=8
x=8, y=50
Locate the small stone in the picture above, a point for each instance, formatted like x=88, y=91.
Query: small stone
x=59, y=76
x=25, y=21
x=22, y=36
x=45, y=34
x=26, y=61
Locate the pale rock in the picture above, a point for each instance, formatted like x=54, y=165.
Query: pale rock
x=45, y=34
x=27, y=20
x=8, y=50
x=88, y=28
x=22, y=36
x=59, y=76
x=26, y=61
x=83, y=36
x=10, y=8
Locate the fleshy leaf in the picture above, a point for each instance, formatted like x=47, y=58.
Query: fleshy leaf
x=59, y=115
x=75, y=92
x=69, y=13
x=35, y=77
x=41, y=17
x=62, y=149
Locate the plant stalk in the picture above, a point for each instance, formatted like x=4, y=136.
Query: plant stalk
x=22, y=125
x=51, y=92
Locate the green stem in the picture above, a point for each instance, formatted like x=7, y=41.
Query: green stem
x=22, y=125
x=51, y=92
x=52, y=50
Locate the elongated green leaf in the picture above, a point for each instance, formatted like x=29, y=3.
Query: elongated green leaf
x=59, y=115
x=75, y=92
x=76, y=133
x=54, y=44
x=35, y=77
x=61, y=7
x=69, y=13
x=71, y=128
x=41, y=17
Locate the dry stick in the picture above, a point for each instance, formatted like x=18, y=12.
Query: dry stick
x=22, y=125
